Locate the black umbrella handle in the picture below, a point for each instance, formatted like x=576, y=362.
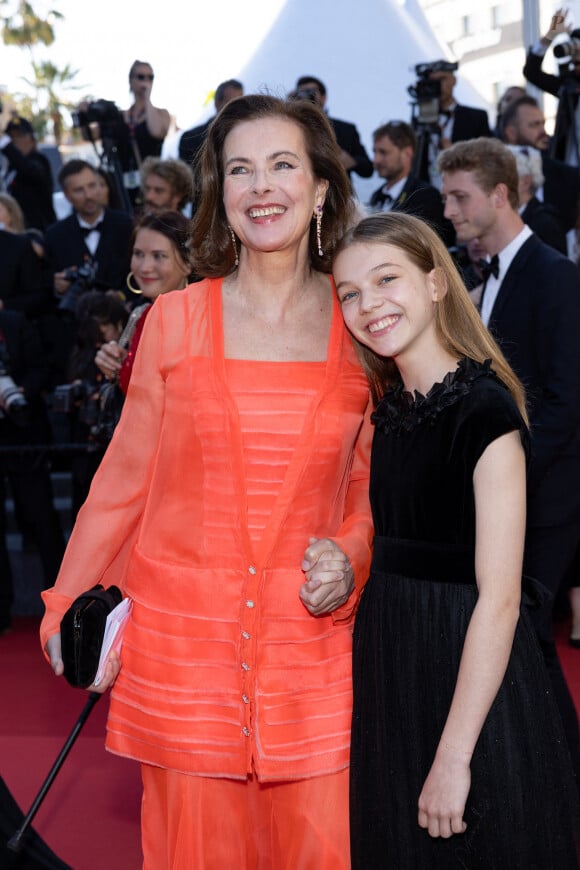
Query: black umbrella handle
x=15, y=841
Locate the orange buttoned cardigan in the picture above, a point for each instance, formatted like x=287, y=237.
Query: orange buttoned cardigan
x=224, y=670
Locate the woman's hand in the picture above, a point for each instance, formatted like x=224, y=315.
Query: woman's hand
x=329, y=577
x=444, y=794
x=109, y=359
x=112, y=668
x=53, y=650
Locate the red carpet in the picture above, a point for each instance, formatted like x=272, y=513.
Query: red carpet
x=90, y=818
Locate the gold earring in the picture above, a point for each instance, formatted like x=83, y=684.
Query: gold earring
x=318, y=217
x=130, y=286
x=233, y=238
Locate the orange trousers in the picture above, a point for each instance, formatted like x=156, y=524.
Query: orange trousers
x=204, y=823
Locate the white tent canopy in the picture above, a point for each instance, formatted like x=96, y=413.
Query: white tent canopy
x=363, y=51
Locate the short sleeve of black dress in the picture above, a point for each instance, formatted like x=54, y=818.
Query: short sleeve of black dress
x=425, y=452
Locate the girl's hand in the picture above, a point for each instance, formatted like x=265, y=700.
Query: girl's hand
x=444, y=794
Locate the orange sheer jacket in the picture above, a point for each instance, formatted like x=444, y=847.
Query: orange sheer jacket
x=224, y=670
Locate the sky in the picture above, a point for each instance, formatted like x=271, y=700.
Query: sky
x=192, y=47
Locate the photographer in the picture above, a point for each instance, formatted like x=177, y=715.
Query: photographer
x=128, y=136
x=565, y=86
x=28, y=177
x=101, y=318
x=90, y=248
x=353, y=155
x=23, y=424
x=437, y=117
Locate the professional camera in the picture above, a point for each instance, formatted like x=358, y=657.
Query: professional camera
x=13, y=405
x=568, y=49
x=310, y=94
x=427, y=92
x=83, y=278
x=105, y=113
x=81, y=396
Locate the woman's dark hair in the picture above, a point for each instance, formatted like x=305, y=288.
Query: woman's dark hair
x=212, y=248
x=94, y=309
x=171, y=224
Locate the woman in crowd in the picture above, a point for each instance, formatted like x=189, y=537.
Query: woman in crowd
x=458, y=756
x=233, y=504
x=160, y=262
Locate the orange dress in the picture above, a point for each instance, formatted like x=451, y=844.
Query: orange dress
x=224, y=671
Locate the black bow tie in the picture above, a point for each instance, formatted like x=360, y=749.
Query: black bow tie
x=85, y=231
x=383, y=198
x=489, y=267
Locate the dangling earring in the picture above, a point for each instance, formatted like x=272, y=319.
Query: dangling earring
x=318, y=217
x=233, y=238
x=130, y=286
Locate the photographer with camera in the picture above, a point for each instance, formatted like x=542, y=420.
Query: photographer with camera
x=27, y=175
x=353, y=155
x=89, y=249
x=24, y=424
x=128, y=136
x=565, y=86
x=437, y=117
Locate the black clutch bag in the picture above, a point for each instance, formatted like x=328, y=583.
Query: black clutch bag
x=82, y=629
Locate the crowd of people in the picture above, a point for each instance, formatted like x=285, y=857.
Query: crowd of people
x=286, y=394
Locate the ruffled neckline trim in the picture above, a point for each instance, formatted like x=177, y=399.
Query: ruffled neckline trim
x=402, y=411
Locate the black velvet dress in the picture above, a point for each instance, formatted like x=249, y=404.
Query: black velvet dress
x=409, y=633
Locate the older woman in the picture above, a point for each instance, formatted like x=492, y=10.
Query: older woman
x=233, y=504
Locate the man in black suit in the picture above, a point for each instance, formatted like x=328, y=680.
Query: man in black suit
x=28, y=177
x=523, y=125
x=455, y=122
x=352, y=152
x=91, y=235
x=192, y=140
x=394, y=147
x=21, y=286
x=531, y=303
x=90, y=249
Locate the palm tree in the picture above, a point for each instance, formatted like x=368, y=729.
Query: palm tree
x=21, y=26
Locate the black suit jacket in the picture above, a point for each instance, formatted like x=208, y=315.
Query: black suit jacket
x=349, y=140
x=65, y=247
x=536, y=320
x=422, y=200
x=546, y=224
x=561, y=189
x=565, y=87
x=31, y=186
x=191, y=142
x=28, y=369
x=469, y=123
x=21, y=286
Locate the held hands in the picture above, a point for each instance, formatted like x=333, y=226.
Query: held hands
x=329, y=577
x=109, y=359
x=112, y=668
x=444, y=794
x=559, y=24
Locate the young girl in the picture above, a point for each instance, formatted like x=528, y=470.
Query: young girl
x=458, y=759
